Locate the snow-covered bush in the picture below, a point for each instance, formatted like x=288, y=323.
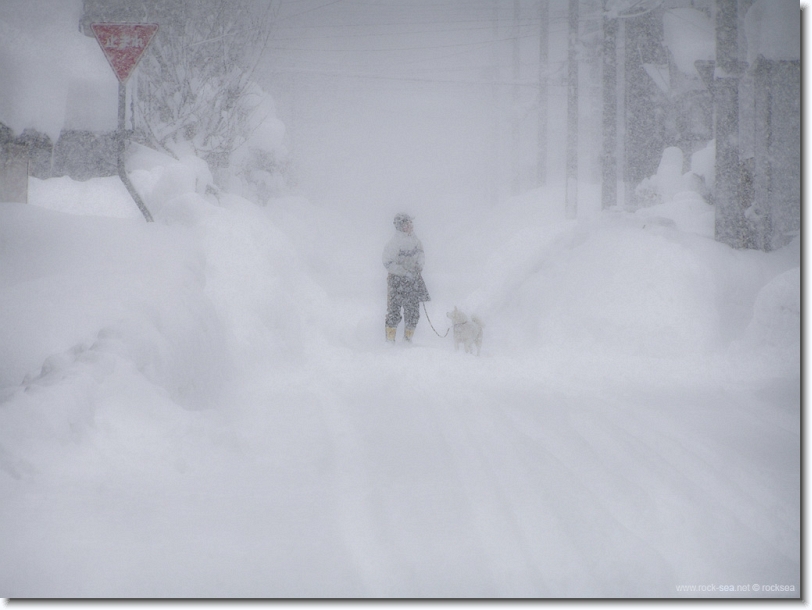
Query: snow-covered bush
x=258, y=166
x=670, y=182
x=195, y=90
x=160, y=178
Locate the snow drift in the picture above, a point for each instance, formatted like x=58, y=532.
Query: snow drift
x=204, y=406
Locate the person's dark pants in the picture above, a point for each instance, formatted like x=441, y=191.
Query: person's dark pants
x=402, y=293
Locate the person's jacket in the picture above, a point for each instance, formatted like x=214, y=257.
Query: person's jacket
x=403, y=255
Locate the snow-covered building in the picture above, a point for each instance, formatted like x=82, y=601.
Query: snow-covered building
x=770, y=130
x=718, y=81
x=756, y=85
x=58, y=100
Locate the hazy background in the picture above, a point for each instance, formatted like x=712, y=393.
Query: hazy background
x=406, y=105
x=205, y=406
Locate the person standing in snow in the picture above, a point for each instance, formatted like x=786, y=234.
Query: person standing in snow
x=403, y=258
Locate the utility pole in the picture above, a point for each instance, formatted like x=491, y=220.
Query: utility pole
x=731, y=225
x=495, y=135
x=620, y=41
x=541, y=158
x=571, y=205
x=516, y=132
x=609, y=157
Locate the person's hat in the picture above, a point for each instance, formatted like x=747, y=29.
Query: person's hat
x=402, y=219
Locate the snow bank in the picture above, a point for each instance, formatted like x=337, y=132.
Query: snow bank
x=208, y=403
x=76, y=285
x=262, y=289
x=771, y=345
x=98, y=197
x=636, y=289
x=652, y=283
x=777, y=312
x=686, y=211
x=177, y=298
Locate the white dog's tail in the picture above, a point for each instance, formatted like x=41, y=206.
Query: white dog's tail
x=478, y=321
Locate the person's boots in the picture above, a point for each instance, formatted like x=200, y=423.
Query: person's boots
x=390, y=334
x=408, y=334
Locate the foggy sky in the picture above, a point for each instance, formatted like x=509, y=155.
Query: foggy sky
x=392, y=105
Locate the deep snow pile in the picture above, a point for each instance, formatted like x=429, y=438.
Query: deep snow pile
x=204, y=406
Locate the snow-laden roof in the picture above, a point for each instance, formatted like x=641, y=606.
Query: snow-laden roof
x=690, y=36
x=773, y=30
x=52, y=77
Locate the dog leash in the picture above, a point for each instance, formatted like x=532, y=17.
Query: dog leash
x=432, y=325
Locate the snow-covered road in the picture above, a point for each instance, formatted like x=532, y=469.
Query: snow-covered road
x=490, y=478
x=228, y=421
x=400, y=472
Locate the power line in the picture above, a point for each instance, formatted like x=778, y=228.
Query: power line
x=421, y=48
x=310, y=10
x=532, y=84
x=365, y=35
x=488, y=19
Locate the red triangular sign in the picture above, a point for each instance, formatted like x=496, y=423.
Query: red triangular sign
x=124, y=44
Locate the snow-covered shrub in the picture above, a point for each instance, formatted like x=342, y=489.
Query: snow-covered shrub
x=160, y=178
x=670, y=182
x=194, y=88
x=257, y=168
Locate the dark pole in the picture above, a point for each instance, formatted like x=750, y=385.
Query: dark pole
x=541, y=164
x=730, y=221
x=120, y=136
x=495, y=127
x=515, y=127
x=572, y=113
x=609, y=165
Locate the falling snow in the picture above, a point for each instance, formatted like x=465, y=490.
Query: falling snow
x=205, y=406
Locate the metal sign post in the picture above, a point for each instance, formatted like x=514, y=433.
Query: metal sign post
x=123, y=45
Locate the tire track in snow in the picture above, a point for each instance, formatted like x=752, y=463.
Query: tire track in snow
x=556, y=519
x=411, y=529
x=452, y=475
x=507, y=555
x=351, y=487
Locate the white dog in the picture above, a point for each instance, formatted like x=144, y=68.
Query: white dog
x=468, y=332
